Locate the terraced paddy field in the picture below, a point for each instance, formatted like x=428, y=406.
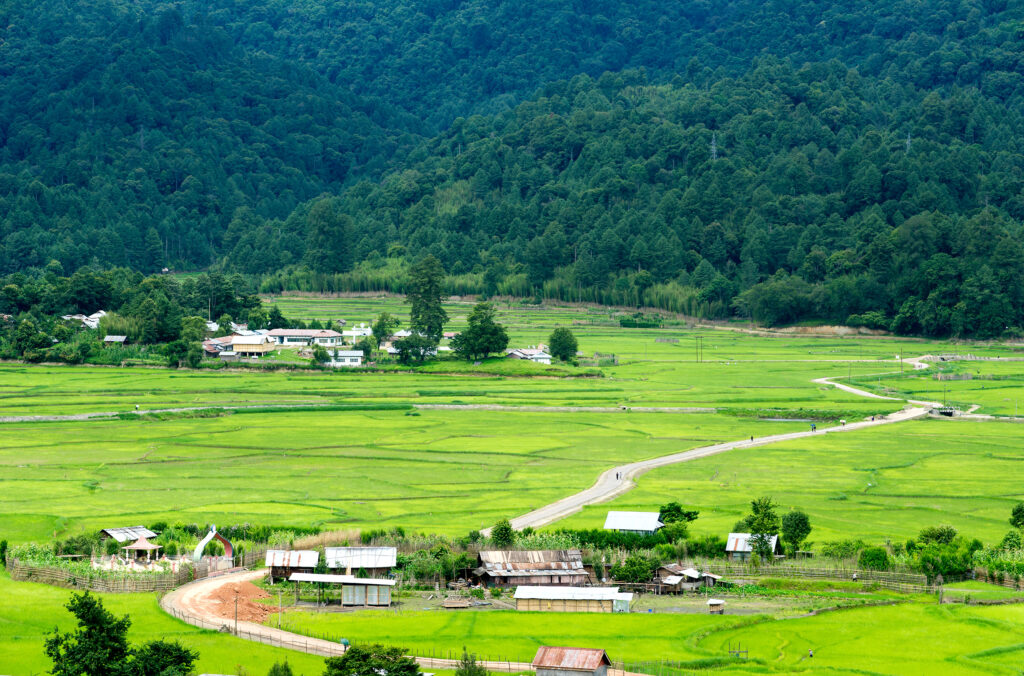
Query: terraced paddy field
x=31, y=611
x=996, y=387
x=878, y=483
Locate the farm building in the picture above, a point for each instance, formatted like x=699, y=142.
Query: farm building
x=114, y=340
x=375, y=561
x=127, y=534
x=739, y=548
x=677, y=578
x=346, y=358
x=571, y=662
x=542, y=567
x=641, y=523
x=283, y=563
x=251, y=345
x=716, y=606
x=355, y=591
x=297, y=337
x=536, y=355
x=573, y=599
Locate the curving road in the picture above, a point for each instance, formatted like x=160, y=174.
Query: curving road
x=196, y=604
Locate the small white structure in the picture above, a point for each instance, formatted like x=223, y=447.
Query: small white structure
x=88, y=321
x=642, y=523
x=298, y=337
x=532, y=354
x=357, y=332
x=346, y=358
x=355, y=591
x=716, y=606
x=739, y=547
x=114, y=340
x=282, y=563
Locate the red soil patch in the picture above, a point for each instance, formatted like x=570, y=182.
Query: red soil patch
x=221, y=602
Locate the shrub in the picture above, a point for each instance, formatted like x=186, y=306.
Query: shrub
x=476, y=593
x=874, y=558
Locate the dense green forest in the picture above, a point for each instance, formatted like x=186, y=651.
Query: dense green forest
x=848, y=161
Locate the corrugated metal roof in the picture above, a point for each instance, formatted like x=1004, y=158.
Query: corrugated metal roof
x=672, y=579
x=361, y=557
x=340, y=579
x=512, y=563
x=129, y=533
x=573, y=659
x=572, y=593
x=740, y=542
x=642, y=521
x=301, y=558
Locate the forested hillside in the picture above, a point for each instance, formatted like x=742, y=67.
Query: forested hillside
x=845, y=161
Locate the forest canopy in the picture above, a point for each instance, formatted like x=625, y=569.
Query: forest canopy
x=854, y=161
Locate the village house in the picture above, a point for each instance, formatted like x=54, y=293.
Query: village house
x=301, y=337
x=675, y=578
x=370, y=561
x=282, y=563
x=572, y=599
x=535, y=355
x=356, y=332
x=641, y=523
x=251, y=346
x=542, y=567
x=346, y=358
x=739, y=548
x=551, y=661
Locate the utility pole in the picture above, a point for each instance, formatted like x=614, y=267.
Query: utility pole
x=236, y=612
x=901, y=361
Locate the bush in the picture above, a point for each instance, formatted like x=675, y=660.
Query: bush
x=842, y=549
x=497, y=592
x=941, y=535
x=476, y=593
x=874, y=558
x=502, y=535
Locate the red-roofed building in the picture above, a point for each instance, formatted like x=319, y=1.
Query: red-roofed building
x=551, y=661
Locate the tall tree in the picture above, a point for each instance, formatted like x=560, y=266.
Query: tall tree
x=328, y=238
x=483, y=335
x=427, y=315
x=384, y=327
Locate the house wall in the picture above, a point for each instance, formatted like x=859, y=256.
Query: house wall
x=564, y=606
x=600, y=671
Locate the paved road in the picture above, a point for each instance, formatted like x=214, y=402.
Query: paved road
x=618, y=480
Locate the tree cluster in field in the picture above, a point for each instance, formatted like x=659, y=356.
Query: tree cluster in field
x=854, y=163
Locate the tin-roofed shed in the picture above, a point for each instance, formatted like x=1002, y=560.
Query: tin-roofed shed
x=536, y=567
x=282, y=563
x=552, y=661
x=644, y=523
x=376, y=561
x=572, y=599
x=127, y=534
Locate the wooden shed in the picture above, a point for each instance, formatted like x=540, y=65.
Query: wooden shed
x=716, y=606
x=539, y=567
x=282, y=563
x=551, y=661
x=573, y=599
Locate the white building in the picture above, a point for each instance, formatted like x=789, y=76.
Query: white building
x=642, y=523
x=533, y=354
x=346, y=358
x=300, y=337
x=739, y=547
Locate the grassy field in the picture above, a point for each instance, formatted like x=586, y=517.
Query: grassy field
x=30, y=611
x=454, y=470
x=997, y=387
x=443, y=470
x=909, y=640
x=878, y=483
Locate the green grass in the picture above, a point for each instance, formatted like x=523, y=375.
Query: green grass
x=30, y=611
x=880, y=483
x=909, y=639
x=514, y=636
x=443, y=470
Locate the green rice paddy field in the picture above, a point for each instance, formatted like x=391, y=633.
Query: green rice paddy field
x=454, y=470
